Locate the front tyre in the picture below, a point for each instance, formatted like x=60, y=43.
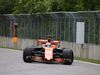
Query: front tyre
x=27, y=55
x=68, y=56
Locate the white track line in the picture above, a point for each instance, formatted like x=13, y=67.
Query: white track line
x=87, y=62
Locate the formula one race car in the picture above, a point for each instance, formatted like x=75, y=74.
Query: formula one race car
x=48, y=51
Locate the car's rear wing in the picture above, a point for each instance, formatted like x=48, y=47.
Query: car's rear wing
x=40, y=41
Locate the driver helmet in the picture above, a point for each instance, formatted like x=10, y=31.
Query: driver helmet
x=48, y=44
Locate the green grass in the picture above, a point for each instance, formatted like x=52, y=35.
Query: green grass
x=87, y=60
x=76, y=58
x=11, y=48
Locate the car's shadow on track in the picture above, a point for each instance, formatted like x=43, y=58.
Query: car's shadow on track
x=48, y=63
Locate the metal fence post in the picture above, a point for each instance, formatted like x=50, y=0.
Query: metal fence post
x=37, y=28
x=74, y=30
x=1, y=27
x=69, y=31
x=34, y=28
x=24, y=28
x=10, y=27
x=21, y=29
x=41, y=28
x=45, y=28
x=99, y=32
x=49, y=26
x=53, y=28
x=56, y=29
x=64, y=28
x=7, y=28
x=74, y=33
x=31, y=27
x=94, y=31
x=60, y=29
x=89, y=31
x=94, y=40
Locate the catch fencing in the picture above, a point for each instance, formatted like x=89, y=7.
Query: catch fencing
x=60, y=25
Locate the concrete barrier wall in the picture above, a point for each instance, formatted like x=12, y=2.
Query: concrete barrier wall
x=21, y=44
x=90, y=51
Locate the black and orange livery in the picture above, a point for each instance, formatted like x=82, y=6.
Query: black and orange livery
x=49, y=54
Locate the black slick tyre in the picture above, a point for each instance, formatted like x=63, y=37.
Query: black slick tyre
x=68, y=56
x=27, y=54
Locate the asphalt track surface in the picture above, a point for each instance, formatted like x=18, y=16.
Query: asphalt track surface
x=11, y=63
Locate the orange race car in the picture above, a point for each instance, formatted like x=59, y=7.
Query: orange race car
x=48, y=51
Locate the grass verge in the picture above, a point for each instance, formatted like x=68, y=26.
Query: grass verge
x=11, y=48
x=76, y=58
x=88, y=60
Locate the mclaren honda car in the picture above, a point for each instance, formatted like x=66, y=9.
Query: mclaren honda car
x=49, y=51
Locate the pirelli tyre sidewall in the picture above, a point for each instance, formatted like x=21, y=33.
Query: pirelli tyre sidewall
x=68, y=56
x=27, y=54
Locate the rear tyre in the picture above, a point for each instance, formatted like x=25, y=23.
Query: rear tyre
x=68, y=56
x=27, y=55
